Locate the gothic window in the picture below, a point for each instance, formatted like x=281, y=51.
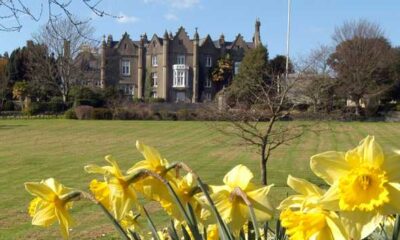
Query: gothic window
x=154, y=94
x=154, y=79
x=154, y=61
x=180, y=59
x=208, y=61
x=126, y=67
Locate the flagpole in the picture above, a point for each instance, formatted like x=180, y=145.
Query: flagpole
x=287, y=41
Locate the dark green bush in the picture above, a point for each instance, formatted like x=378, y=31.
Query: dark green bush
x=8, y=106
x=36, y=108
x=156, y=100
x=70, y=114
x=89, y=102
x=56, y=105
x=102, y=113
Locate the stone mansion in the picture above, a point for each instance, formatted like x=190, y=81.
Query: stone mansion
x=176, y=66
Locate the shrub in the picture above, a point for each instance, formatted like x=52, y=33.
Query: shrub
x=186, y=114
x=165, y=115
x=137, y=100
x=8, y=106
x=70, y=114
x=102, y=113
x=84, y=112
x=56, y=105
x=36, y=108
x=124, y=114
x=156, y=100
x=89, y=102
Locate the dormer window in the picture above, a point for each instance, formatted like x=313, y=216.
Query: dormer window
x=154, y=61
x=208, y=61
x=180, y=59
x=126, y=68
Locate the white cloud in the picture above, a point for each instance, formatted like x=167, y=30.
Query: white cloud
x=178, y=4
x=170, y=17
x=183, y=3
x=123, y=18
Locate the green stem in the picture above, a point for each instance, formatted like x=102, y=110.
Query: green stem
x=114, y=221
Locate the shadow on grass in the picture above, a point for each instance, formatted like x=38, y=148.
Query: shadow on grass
x=7, y=127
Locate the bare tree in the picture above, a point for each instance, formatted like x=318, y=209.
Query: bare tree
x=64, y=41
x=263, y=126
x=361, y=61
x=257, y=119
x=12, y=11
x=317, y=81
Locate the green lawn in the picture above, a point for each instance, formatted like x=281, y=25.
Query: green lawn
x=31, y=150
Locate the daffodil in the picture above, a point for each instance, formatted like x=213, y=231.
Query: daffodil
x=303, y=216
x=51, y=204
x=149, y=186
x=185, y=188
x=122, y=192
x=364, y=185
x=101, y=192
x=212, y=232
x=231, y=206
x=130, y=222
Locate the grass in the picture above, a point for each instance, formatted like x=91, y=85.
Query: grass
x=31, y=150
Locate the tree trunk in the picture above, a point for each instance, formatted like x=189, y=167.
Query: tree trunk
x=263, y=165
x=357, y=106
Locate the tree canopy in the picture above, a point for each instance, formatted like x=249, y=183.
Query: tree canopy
x=252, y=76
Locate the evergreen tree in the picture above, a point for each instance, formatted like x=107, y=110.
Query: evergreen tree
x=252, y=77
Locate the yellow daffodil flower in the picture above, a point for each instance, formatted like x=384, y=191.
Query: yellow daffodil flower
x=232, y=208
x=130, y=222
x=364, y=185
x=51, y=204
x=122, y=193
x=303, y=216
x=101, y=192
x=212, y=232
x=184, y=188
x=151, y=187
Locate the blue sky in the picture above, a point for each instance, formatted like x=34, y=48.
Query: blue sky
x=313, y=21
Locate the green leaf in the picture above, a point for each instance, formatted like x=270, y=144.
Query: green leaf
x=114, y=221
x=223, y=229
x=186, y=235
x=172, y=231
x=396, y=229
x=151, y=224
